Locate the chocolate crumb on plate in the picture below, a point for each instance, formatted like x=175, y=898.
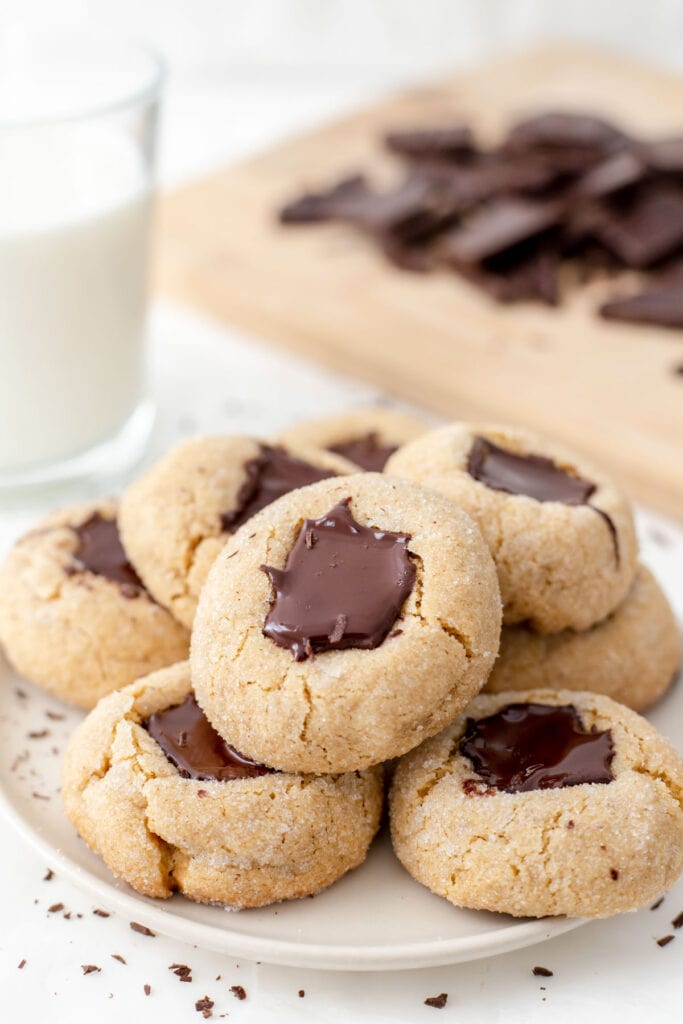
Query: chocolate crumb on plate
x=665, y=940
x=204, y=1006
x=301, y=993
x=117, y=956
x=22, y=964
x=142, y=929
x=438, y=1002
x=678, y=921
x=147, y=989
x=657, y=904
x=542, y=972
x=90, y=969
x=55, y=908
x=238, y=991
x=49, y=875
x=101, y=913
x=182, y=971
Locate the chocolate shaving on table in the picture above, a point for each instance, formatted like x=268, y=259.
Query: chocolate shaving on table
x=559, y=186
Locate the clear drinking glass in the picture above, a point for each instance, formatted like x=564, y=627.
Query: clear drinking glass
x=78, y=126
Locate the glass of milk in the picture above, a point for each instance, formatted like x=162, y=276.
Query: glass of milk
x=78, y=117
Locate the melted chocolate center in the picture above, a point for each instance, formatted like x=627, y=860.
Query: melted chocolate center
x=536, y=746
x=532, y=475
x=270, y=475
x=343, y=585
x=366, y=452
x=100, y=551
x=193, y=746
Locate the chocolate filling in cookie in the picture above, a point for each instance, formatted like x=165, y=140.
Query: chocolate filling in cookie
x=534, y=476
x=100, y=551
x=365, y=451
x=193, y=746
x=270, y=475
x=524, y=747
x=343, y=585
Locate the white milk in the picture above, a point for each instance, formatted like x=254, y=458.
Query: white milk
x=74, y=226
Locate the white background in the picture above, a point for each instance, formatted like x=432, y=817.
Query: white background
x=242, y=75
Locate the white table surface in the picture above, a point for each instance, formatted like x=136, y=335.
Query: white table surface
x=607, y=971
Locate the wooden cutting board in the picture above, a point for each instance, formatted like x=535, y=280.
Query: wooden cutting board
x=324, y=292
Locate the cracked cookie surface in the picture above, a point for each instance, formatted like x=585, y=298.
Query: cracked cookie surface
x=346, y=709
x=245, y=842
x=632, y=656
x=561, y=564
x=79, y=633
x=174, y=518
x=365, y=436
x=588, y=850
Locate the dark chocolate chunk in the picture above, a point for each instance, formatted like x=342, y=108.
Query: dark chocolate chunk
x=616, y=172
x=451, y=141
x=301, y=993
x=101, y=913
x=438, y=1002
x=319, y=206
x=270, y=475
x=343, y=585
x=657, y=904
x=665, y=940
x=678, y=921
x=531, y=475
x=525, y=272
x=238, y=991
x=100, y=551
x=647, y=229
x=563, y=130
x=542, y=972
x=203, y=755
x=658, y=304
x=49, y=875
x=525, y=747
x=365, y=451
x=501, y=225
x=663, y=155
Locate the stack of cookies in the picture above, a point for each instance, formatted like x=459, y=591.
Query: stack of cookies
x=341, y=592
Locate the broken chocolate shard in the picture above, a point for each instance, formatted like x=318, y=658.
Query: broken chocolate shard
x=501, y=225
x=525, y=747
x=347, y=590
x=193, y=746
x=647, y=229
x=450, y=141
x=660, y=305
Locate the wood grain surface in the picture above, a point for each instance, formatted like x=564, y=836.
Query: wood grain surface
x=606, y=388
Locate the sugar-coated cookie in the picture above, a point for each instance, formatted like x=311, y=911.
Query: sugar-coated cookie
x=367, y=437
x=169, y=807
x=632, y=656
x=540, y=803
x=74, y=616
x=177, y=516
x=561, y=533
x=347, y=622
